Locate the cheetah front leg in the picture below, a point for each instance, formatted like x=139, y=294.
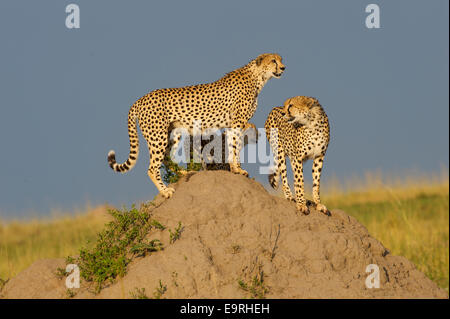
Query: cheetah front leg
x=316, y=172
x=235, y=145
x=297, y=169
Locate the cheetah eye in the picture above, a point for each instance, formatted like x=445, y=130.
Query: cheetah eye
x=274, y=61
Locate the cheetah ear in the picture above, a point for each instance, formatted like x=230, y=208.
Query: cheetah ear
x=287, y=104
x=259, y=59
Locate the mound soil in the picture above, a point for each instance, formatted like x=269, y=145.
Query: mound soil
x=238, y=241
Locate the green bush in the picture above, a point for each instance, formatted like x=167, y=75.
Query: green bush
x=122, y=239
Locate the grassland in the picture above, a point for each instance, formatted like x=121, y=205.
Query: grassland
x=412, y=224
x=409, y=216
x=23, y=242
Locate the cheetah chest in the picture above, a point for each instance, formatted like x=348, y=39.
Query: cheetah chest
x=312, y=144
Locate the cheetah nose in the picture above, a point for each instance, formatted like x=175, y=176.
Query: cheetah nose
x=282, y=68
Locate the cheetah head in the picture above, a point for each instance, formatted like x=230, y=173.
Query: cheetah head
x=300, y=110
x=269, y=65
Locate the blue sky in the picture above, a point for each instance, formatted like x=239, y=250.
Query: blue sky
x=65, y=93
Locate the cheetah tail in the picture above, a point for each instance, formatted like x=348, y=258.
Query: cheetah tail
x=134, y=146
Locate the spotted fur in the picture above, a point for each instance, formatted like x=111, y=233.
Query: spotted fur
x=227, y=103
x=300, y=131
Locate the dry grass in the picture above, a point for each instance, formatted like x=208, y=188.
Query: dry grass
x=410, y=216
x=23, y=242
x=414, y=224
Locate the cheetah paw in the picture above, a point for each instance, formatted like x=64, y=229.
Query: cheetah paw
x=168, y=192
x=238, y=170
x=303, y=209
x=321, y=208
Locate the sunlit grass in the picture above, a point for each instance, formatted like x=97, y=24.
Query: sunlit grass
x=415, y=226
x=23, y=242
x=410, y=216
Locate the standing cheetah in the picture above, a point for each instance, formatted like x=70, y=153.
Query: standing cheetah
x=227, y=103
x=299, y=130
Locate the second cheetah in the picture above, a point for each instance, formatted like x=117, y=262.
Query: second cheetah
x=299, y=130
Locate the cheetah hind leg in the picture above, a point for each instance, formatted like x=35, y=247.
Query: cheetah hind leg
x=279, y=168
x=157, y=149
x=155, y=175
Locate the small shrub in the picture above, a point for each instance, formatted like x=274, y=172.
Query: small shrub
x=160, y=290
x=255, y=288
x=70, y=293
x=139, y=294
x=61, y=272
x=157, y=225
x=176, y=233
x=172, y=171
x=3, y=283
x=174, y=278
x=141, y=249
x=122, y=239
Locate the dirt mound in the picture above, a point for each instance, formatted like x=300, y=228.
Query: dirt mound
x=239, y=241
